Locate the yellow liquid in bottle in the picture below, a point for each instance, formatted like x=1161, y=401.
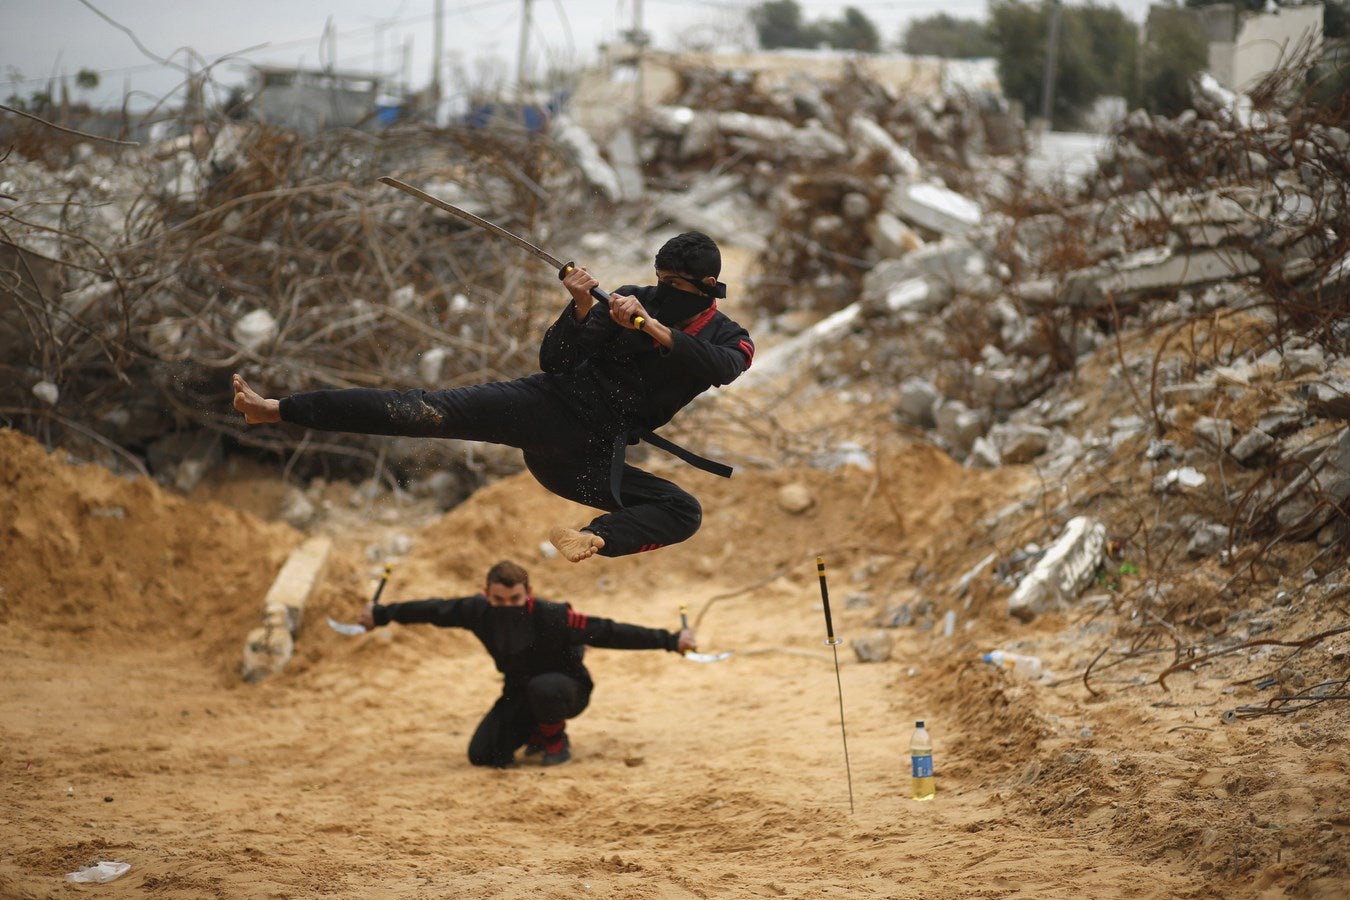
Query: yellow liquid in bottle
x=923, y=788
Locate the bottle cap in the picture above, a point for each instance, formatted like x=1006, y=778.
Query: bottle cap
x=918, y=724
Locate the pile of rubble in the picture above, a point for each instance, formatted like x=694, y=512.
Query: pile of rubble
x=141, y=278
x=945, y=275
x=1207, y=268
x=144, y=276
x=822, y=179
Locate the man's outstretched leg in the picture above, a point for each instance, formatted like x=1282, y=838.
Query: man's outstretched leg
x=575, y=545
x=257, y=409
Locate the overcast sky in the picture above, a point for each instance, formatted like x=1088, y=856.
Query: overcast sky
x=41, y=38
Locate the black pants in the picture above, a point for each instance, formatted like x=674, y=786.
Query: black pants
x=569, y=450
x=550, y=697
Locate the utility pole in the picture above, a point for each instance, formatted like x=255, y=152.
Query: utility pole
x=639, y=38
x=437, y=50
x=521, y=80
x=1048, y=79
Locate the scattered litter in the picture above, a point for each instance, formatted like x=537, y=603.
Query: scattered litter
x=101, y=872
x=1019, y=663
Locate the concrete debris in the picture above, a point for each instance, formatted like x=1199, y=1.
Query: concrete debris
x=270, y=646
x=907, y=240
x=934, y=207
x=1183, y=477
x=1019, y=443
x=1067, y=567
x=587, y=157
x=874, y=647
x=1317, y=494
x=255, y=329
x=917, y=399
x=1206, y=539
x=47, y=392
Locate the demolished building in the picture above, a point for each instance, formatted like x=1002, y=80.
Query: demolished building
x=900, y=252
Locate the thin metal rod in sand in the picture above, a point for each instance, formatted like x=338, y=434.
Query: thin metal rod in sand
x=834, y=643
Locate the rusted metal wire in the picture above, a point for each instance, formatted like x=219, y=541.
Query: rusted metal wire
x=1288, y=704
x=356, y=283
x=1306, y=642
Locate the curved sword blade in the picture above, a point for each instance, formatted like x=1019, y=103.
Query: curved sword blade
x=472, y=219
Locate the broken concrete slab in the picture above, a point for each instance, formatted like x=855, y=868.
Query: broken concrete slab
x=1154, y=269
x=269, y=647
x=1067, y=567
x=715, y=205
x=934, y=207
x=876, y=142
x=586, y=155
x=793, y=354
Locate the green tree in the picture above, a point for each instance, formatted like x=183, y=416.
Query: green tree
x=1336, y=19
x=1240, y=5
x=948, y=37
x=1018, y=30
x=86, y=79
x=1095, y=55
x=1177, y=49
x=778, y=23
x=853, y=32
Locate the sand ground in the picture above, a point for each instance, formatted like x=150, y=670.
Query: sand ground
x=128, y=735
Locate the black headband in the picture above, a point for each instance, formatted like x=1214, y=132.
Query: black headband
x=718, y=290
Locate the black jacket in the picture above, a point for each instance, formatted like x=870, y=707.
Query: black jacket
x=529, y=640
x=641, y=383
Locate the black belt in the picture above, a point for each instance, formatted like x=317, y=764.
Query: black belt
x=622, y=440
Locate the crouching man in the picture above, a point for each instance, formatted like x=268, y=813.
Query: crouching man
x=538, y=646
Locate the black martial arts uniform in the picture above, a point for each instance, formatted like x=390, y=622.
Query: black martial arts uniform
x=602, y=387
x=538, y=648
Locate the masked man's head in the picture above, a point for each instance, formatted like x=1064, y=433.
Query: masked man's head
x=687, y=267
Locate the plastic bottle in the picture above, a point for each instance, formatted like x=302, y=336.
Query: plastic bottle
x=921, y=762
x=1030, y=666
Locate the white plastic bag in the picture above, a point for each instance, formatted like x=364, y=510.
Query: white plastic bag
x=101, y=872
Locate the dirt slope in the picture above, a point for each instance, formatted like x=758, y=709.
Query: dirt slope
x=128, y=735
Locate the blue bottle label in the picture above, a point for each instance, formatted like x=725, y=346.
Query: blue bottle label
x=923, y=765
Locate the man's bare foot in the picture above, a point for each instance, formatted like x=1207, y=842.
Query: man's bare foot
x=575, y=545
x=257, y=409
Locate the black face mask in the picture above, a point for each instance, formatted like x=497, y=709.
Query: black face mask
x=511, y=629
x=673, y=305
x=509, y=613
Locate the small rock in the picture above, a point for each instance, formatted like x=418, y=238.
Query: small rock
x=795, y=498
x=875, y=647
x=47, y=392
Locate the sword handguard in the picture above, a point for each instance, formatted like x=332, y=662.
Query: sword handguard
x=595, y=292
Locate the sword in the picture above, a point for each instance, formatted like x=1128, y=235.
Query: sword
x=563, y=267
x=834, y=643
x=356, y=627
x=693, y=656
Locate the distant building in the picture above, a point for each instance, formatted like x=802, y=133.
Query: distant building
x=312, y=100
x=1246, y=46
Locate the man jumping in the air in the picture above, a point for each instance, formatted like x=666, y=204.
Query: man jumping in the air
x=605, y=383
